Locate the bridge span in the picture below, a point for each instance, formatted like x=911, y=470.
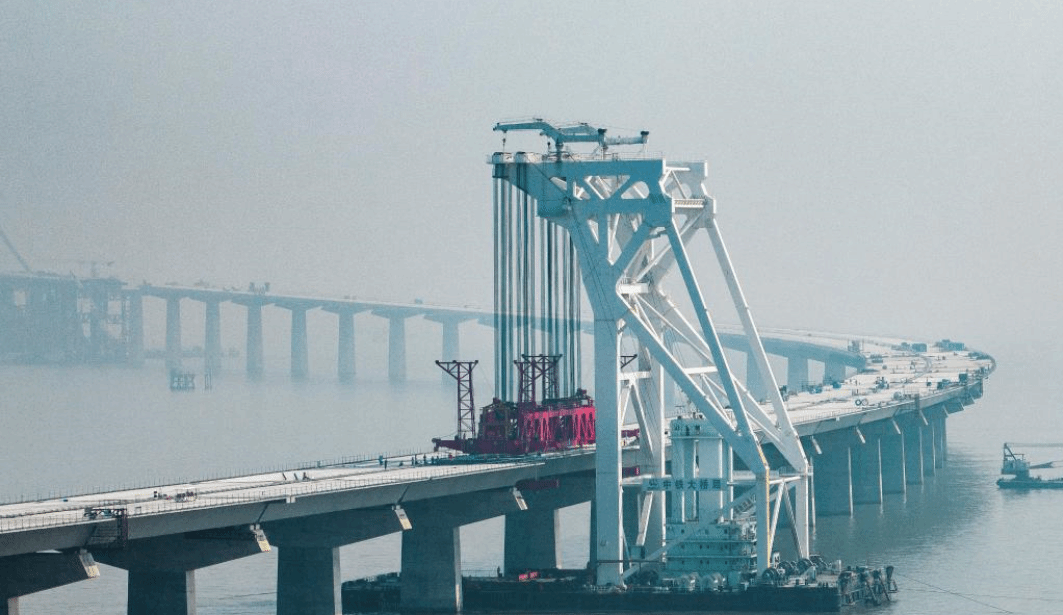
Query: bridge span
x=871, y=433
x=46, y=317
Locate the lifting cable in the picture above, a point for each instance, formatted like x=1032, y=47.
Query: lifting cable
x=959, y=595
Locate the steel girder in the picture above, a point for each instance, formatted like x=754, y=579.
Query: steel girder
x=631, y=221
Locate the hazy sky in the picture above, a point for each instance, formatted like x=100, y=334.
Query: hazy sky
x=879, y=167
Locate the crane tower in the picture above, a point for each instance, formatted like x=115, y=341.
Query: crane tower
x=622, y=224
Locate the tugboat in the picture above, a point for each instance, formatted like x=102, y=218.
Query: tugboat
x=1016, y=464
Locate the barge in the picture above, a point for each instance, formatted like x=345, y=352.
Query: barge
x=709, y=561
x=808, y=586
x=1017, y=465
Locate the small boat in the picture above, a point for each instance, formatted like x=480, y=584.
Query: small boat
x=1017, y=465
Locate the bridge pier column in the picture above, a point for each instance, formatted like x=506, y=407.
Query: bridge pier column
x=134, y=322
x=33, y=572
x=308, y=566
x=833, y=370
x=833, y=482
x=754, y=381
x=893, y=466
x=431, y=548
x=212, y=338
x=300, y=353
x=431, y=567
x=397, y=349
x=913, y=452
x=345, y=366
x=173, y=332
x=98, y=321
x=867, y=471
x=8, y=319
x=254, y=347
x=308, y=581
x=532, y=536
x=532, y=540
x=940, y=439
x=930, y=463
x=451, y=350
x=162, y=570
x=161, y=592
x=796, y=372
x=451, y=342
x=631, y=498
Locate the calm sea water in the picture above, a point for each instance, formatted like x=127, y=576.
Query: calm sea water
x=960, y=545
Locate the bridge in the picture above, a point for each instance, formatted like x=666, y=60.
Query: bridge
x=49, y=317
x=602, y=228
x=871, y=435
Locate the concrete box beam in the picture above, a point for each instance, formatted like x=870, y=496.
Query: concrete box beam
x=162, y=570
x=187, y=551
x=332, y=530
x=456, y=510
x=33, y=572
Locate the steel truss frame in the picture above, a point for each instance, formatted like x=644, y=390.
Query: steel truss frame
x=631, y=221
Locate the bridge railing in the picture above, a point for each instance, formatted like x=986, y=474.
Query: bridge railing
x=72, y=511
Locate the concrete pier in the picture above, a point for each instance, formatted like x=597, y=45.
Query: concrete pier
x=833, y=370
x=254, y=339
x=867, y=471
x=397, y=348
x=212, y=338
x=796, y=372
x=309, y=581
x=532, y=536
x=300, y=352
x=937, y=421
x=451, y=348
x=308, y=566
x=891, y=446
x=431, y=549
x=345, y=366
x=162, y=570
x=754, y=381
x=531, y=539
x=431, y=562
x=173, y=333
x=913, y=451
x=135, y=328
x=833, y=485
x=930, y=461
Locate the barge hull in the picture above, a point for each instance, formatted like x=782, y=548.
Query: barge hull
x=550, y=597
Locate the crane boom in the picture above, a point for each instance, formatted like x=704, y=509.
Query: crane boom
x=11, y=246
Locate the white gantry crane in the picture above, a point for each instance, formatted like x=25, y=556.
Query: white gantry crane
x=631, y=220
